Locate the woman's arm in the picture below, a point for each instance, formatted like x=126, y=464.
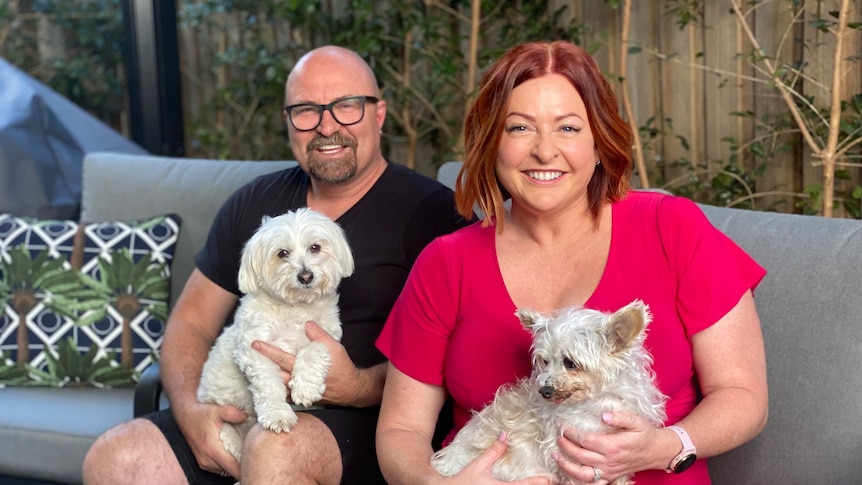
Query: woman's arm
x=730, y=363
x=408, y=416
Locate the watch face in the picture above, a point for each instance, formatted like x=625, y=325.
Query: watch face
x=685, y=463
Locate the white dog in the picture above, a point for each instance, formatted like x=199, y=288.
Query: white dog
x=289, y=272
x=584, y=362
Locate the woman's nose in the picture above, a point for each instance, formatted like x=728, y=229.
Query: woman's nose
x=544, y=150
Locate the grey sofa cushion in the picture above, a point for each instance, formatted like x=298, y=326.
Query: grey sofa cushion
x=45, y=432
x=121, y=187
x=811, y=312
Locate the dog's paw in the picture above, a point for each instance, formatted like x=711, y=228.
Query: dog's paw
x=277, y=418
x=306, y=393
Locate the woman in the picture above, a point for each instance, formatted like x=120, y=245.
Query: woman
x=545, y=132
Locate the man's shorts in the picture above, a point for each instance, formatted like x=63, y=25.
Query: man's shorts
x=353, y=428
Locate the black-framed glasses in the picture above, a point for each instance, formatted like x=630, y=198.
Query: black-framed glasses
x=346, y=111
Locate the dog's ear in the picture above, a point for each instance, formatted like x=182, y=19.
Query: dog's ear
x=341, y=251
x=252, y=257
x=626, y=325
x=529, y=318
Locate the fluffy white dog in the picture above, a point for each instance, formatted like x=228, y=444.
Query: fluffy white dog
x=584, y=362
x=289, y=272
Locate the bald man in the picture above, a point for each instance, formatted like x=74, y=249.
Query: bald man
x=334, y=116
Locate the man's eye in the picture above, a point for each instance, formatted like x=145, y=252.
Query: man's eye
x=304, y=110
x=283, y=253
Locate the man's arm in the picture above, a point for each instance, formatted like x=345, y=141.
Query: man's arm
x=193, y=326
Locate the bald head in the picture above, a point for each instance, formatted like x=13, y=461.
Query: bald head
x=327, y=63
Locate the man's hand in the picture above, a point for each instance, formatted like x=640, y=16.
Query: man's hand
x=201, y=425
x=346, y=385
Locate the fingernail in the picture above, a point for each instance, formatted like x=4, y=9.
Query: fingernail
x=607, y=416
x=555, y=456
x=502, y=436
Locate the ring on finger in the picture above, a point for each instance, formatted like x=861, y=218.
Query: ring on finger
x=224, y=474
x=598, y=474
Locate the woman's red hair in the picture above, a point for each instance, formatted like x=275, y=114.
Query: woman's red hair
x=477, y=182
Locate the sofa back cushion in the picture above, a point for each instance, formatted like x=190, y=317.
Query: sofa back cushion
x=811, y=313
x=123, y=187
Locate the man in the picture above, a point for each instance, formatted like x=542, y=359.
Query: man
x=334, y=116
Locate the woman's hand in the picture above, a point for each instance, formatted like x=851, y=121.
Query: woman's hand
x=479, y=470
x=635, y=445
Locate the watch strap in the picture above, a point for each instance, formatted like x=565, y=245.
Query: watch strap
x=688, y=453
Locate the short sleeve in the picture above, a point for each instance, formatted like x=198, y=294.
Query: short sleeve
x=415, y=337
x=711, y=270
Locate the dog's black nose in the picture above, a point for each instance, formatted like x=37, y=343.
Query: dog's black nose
x=546, y=391
x=305, y=277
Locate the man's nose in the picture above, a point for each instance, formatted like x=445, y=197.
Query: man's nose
x=328, y=125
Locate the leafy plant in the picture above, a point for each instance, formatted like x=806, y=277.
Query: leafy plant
x=70, y=367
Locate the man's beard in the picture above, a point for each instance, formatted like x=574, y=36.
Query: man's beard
x=332, y=170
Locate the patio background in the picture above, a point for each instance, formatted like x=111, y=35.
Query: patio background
x=713, y=125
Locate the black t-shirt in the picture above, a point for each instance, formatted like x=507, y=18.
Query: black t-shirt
x=386, y=229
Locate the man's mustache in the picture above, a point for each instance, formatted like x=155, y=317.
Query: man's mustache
x=336, y=139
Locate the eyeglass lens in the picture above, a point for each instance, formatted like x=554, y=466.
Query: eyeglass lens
x=346, y=111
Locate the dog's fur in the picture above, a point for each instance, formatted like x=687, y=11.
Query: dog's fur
x=584, y=362
x=289, y=272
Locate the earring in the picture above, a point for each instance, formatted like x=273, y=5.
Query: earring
x=598, y=162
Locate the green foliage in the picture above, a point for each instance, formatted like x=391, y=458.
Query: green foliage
x=84, y=62
x=59, y=286
x=12, y=374
x=122, y=281
x=262, y=41
x=70, y=367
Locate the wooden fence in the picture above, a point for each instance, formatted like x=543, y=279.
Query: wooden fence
x=711, y=122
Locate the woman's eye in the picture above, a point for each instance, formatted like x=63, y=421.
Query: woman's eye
x=570, y=129
x=516, y=129
x=283, y=254
x=571, y=364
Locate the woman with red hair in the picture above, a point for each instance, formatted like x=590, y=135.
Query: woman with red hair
x=545, y=133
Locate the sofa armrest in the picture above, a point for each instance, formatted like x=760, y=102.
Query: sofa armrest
x=148, y=392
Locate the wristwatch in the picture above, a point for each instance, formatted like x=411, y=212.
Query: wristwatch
x=685, y=459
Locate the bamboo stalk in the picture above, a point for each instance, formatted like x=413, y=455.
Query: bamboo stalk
x=624, y=91
x=406, y=116
x=829, y=151
x=693, y=95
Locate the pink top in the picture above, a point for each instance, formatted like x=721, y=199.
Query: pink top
x=454, y=323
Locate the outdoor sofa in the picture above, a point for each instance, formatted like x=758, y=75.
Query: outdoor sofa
x=810, y=305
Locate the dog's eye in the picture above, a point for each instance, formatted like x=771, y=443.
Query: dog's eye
x=571, y=364
x=315, y=248
x=283, y=253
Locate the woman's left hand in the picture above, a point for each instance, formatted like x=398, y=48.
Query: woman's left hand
x=630, y=448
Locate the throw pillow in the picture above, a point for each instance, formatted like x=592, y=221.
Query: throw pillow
x=82, y=303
